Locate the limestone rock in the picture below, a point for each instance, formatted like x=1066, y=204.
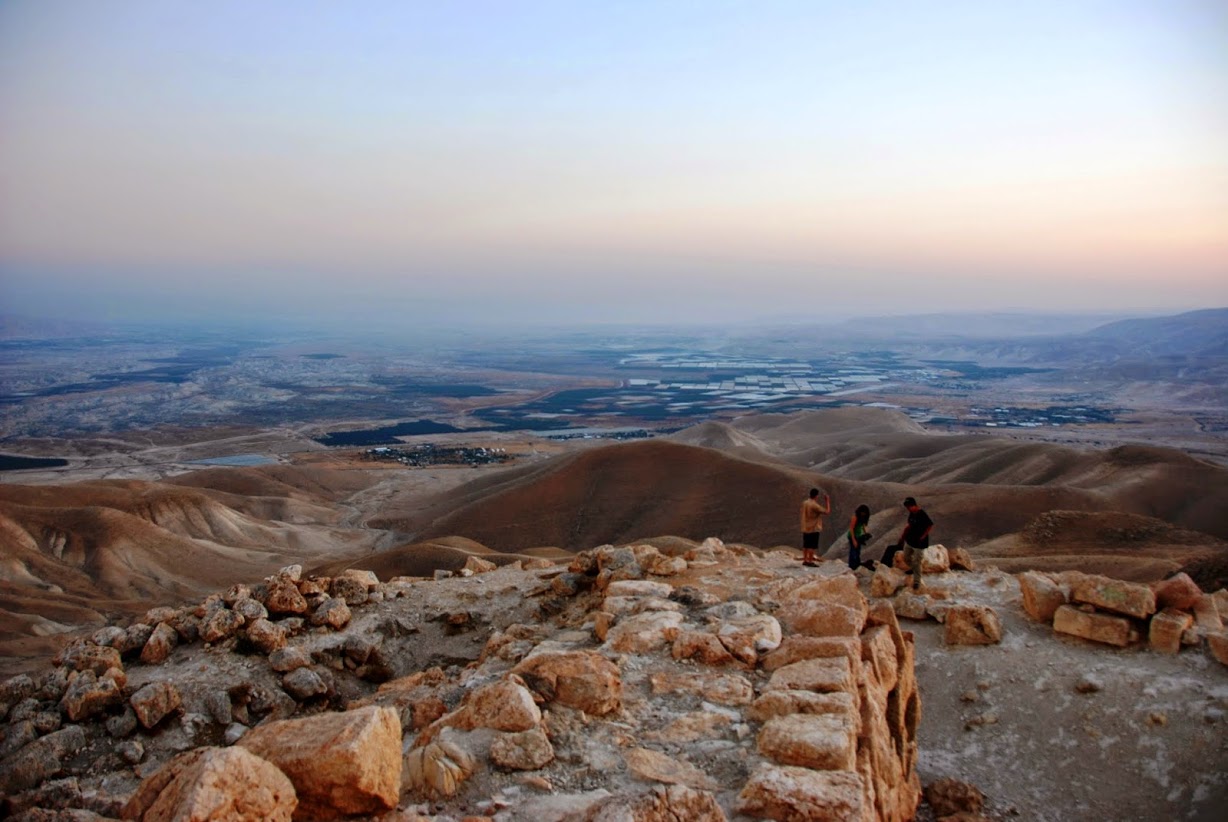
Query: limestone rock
x=524, y=751
x=1126, y=598
x=911, y=606
x=438, y=769
x=935, y=560
x=818, y=675
x=86, y=656
x=1041, y=596
x=250, y=609
x=162, y=640
x=792, y=794
x=578, y=679
x=283, y=597
x=40, y=760
x=214, y=784
x=154, y=702
x=796, y=648
x=285, y=660
x=1164, y=633
x=221, y=624
x=972, y=625
x=644, y=633
x=1179, y=592
x=825, y=742
x=88, y=695
x=723, y=689
x=816, y=618
x=1207, y=616
x=265, y=636
x=886, y=581
x=701, y=647
x=333, y=612
x=747, y=637
x=349, y=589
x=340, y=763
x=505, y=705
x=477, y=565
x=1112, y=630
x=665, y=566
x=303, y=684
x=655, y=766
x=961, y=560
x=786, y=703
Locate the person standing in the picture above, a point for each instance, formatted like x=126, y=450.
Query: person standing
x=812, y=525
x=915, y=538
x=858, y=536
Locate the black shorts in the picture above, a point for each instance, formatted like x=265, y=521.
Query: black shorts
x=811, y=541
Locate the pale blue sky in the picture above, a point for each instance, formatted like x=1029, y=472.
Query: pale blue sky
x=612, y=161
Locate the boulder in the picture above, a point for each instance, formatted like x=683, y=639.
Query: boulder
x=154, y=702
x=303, y=684
x=935, y=560
x=1112, y=630
x=282, y=596
x=221, y=624
x=886, y=581
x=162, y=640
x=1041, y=596
x=1178, y=592
x=747, y=637
x=1120, y=597
x=333, y=612
x=826, y=742
x=350, y=590
x=972, y=625
x=40, y=760
x=1166, y=628
x=792, y=794
x=644, y=633
x=506, y=705
x=265, y=636
x=911, y=606
x=284, y=660
x=578, y=679
x=250, y=609
x=86, y=656
x=88, y=695
x=213, y=784
x=524, y=751
x=961, y=560
x=1207, y=616
x=340, y=763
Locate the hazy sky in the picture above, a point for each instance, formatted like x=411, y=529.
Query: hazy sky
x=641, y=161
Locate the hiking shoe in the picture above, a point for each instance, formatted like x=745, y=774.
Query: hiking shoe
x=811, y=564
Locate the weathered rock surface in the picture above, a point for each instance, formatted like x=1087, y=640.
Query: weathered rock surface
x=1106, y=628
x=1041, y=596
x=793, y=794
x=340, y=763
x=1125, y=598
x=214, y=784
x=972, y=625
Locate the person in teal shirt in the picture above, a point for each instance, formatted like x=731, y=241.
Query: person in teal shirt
x=857, y=535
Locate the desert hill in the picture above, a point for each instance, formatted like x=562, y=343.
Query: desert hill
x=70, y=554
x=882, y=445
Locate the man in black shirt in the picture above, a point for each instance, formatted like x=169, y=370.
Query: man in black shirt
x=915, y=538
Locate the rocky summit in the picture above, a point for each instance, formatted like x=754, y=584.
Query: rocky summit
x=706, y=682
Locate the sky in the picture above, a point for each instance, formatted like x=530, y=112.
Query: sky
x=531, y=162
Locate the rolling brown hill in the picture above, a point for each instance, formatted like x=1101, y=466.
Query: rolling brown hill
x=72, y=554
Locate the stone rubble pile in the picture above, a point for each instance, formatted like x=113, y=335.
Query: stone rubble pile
x=718, y=684
x=1172, y=614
